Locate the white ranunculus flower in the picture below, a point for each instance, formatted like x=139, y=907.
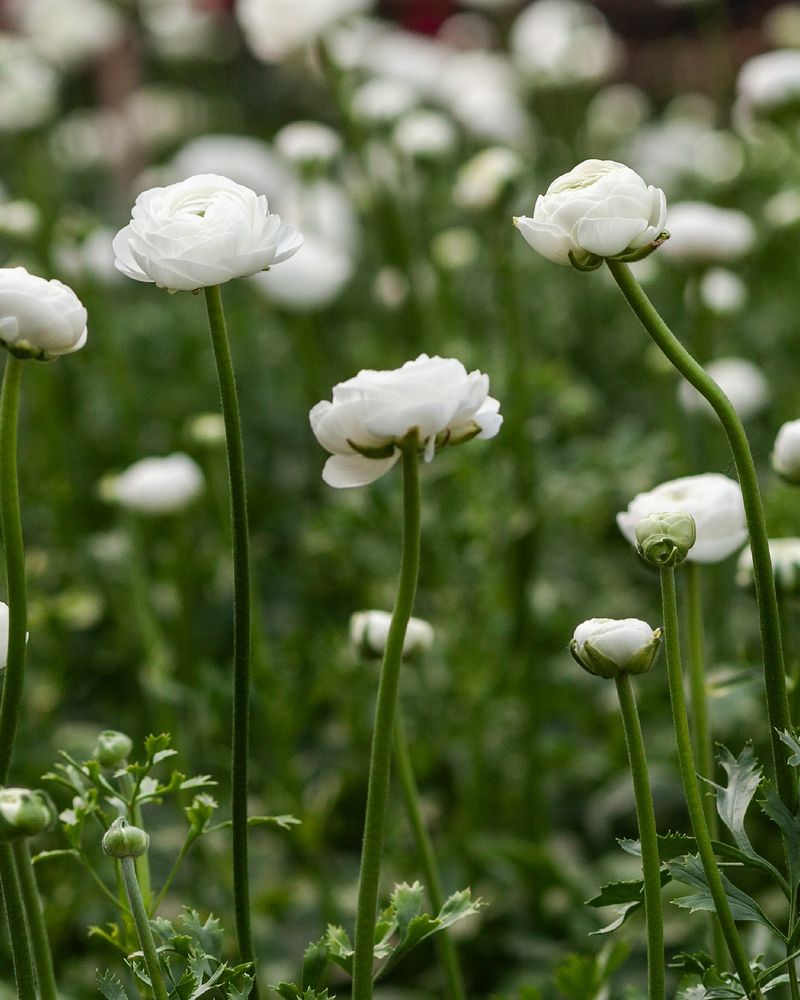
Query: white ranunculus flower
x=199, y=232
x=722, y=292
x=28, y=86
x=786, y=452
x=703, y=233
x=39, y=318
x=785, y=556
x=601, y=208
x=486, y=176
x=480, y=90
x=311, y=280
x=369, y=631
x=609, y=647
x=768, y=83
x=274, y=29
x=375, y=410
x=3, y=634
x=304, y=142
x=425, y=134
x=742, y=382
x=382, y=100
x=245, y=160
x=713, y=500
x=69, y=32
x=680, y=149
x=156, y=485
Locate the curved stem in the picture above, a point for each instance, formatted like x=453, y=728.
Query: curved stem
x=40, y=944
x=241, y=623
x=691, y=786
x=17, y=928
x=774, y=677
x=448, y=953
x=381, y=756
x=15, y=563
x=143, y=929
x=645, y=817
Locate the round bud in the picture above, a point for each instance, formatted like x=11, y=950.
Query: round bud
x=665, y=539
x=112, y=748
x=122, y=840
x=24, y=813
x=369, y=632
x=610, y=647
x=786, y=452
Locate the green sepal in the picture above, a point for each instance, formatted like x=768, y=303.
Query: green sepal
x=591, y=263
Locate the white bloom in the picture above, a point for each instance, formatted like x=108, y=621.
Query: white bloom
x=617, y=110
x=702, y=233
x=207, y=429
x=783, y=208
x=785, y=556
x=599, y=209
x=3, y=634
x=20, y=218
x=425, y=134
x=383, y=100
x=308, y=142
x=247, y=161
x=786, y=452
x=183, y=28
x=454, y=248
x=322, y=208
x=313, y=278
x=742, y=382
x=369, y=631
x=768, y=82
x=375, y=410
x=722, y=292
x=275, y=28
x=39, y=318
x=683, y=149
x=486, y=176
x=713, y=500
x=87, y=256
x=69, y=32
x=156, y=485
x=199, y=232
x=608, y=647
x=28, y=86
x=480, y=90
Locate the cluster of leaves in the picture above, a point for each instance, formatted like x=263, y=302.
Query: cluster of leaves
x=401, y=926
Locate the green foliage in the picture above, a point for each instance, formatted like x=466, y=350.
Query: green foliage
x=585, y=977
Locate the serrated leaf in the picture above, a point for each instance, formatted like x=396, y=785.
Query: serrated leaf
x=154, y=744
x=339, y=948
x=733, y=800
x=624, y=891
x=583, y=977
x=697, y=962
x=773, y=807
x=207, y=933
x=315, y=962
x=198, y=781
x=110, y=985
x=622, y=914
x=792, y=743
x=163, y=754
x=285, y=821
x=243, y=991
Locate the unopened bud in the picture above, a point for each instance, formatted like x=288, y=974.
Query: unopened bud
x=369, y=632
x=665, y=539
x=112, y=748
x=24, y=813
x=122, y=840
x=610, y=647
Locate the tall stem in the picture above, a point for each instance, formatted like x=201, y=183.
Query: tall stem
x=15, y=563
x=778, y=715
x=17, y=928
x=143, y=929
x=241, y=623
x=691, y=785
x=40, y=944
x=645, y=816
x=381, y=756
x=448, y=954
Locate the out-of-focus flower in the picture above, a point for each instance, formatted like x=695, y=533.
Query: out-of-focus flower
x=28, y=86
x=207, y=429
x=382, y=100
x=322, y=208
x=425, y=135
x=310, y=280
x=713, y=500
x=160, y=115
x=722, y=292
x=768, y=84
x=781, y=26
x=455, y=248
x=599, y=209
x=480, y=91
x=86, y=255
x=199, y=232
x=39, y=318
x=703, y=233
x=372, y=413
x=390, y=287
x=683, y=149
x=20, y=218
x=610, y=647
x=181, y=29
x=617, y=111
x=786, y=452
x=564, y=42
x=369, y=631
x=785, y=556
x=69, y=32
x=665, y=539
x=486, y=177
x=306, y=143
x=3, y=634
x=247, y=161
x=742, y=382
x=156, y=485
x=275, y=29
x=783, y=208
x=24, y=813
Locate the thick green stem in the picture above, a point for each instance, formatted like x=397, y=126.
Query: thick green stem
x=17, y=929
x=691, y=786
x=778, y=716
x=241, y=623
x=10, y=519
x=381, y=756
x=143, y=929
x=448, y=954
x=645, y=816
x=130, y=790
x=42, y=956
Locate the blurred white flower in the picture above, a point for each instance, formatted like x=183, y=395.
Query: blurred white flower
x=713, y=500
x=785, y=556
x=742, y=382
x=609, y=647
x=87, y=138
x=20, y=218
x=484, y=178
x=207, y=429
x=781, y=26
x=310, y=280
x=369, y=631
x=599, y=209
x=39, y=318
x=562, y=42
x=480, y=91
x=370, y=413
x=768, y=83
x=306, y=142
x=616, y=111
x=428, y=135
x=783, y=208
x=69, y=32
x=786, y=452
x=703, y=233
x=390, y=287
x=275, y=29
x=159, y=115
x=684, y=149
x=3, y=634
x=321, y=208
x=199, y=232
x=247, y=161
x=382, y=100
x=455, y=248
x=156, y=485
x=28, y=86
x=87, y=256
x=181, y=29
x=722, y=292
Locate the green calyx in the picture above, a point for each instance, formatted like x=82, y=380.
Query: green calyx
x=24, y=812
x=112, y=748
x=599, y=664
x=665, y=539
x=123, y=840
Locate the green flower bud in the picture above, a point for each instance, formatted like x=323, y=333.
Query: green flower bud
x=665, y=539
x=610, y=647
x=112, y=748
x=24, y=813
x=122, y=840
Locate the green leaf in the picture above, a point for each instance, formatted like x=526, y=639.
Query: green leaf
x=339, y=948
x=793, y=744
x=285, y=821
x=697, y=962
x=627, y=891
x=198, y=781
x=622, y=912
x=583, y=977
x=154, y=745
x=315, y=962
x=163, y=754
x=111, y=986
x=733, y=801
x=207, y=934
x=670, y=845
x=50, y=855
x=242, y=991
x=772, y=805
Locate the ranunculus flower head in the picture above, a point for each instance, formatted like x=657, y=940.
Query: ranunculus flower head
x=369, y=631
x=786, y=452
x=785, y=556
x=372, y=413
x=123, y=840
x=156, y=485
x=199, y=232
x=714, y=502
x=600, y=209
x=742, y=382
x=610, y=647
x=39, y=318
x=701, y=233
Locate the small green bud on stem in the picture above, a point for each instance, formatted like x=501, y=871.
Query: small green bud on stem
x=123, y=840
x=24, y=813
x=112, y=748
x=665, y=539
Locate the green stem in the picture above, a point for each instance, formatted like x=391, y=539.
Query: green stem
x=645, y=816
x=241, y=624
x=381, y=756
x=15, y=563
x=191, y=836
x=143, y=929
x=130, y=791
x=42, y=955
x=691, y=785
x=774, y=677
x=448, y=954
x=17, y=928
